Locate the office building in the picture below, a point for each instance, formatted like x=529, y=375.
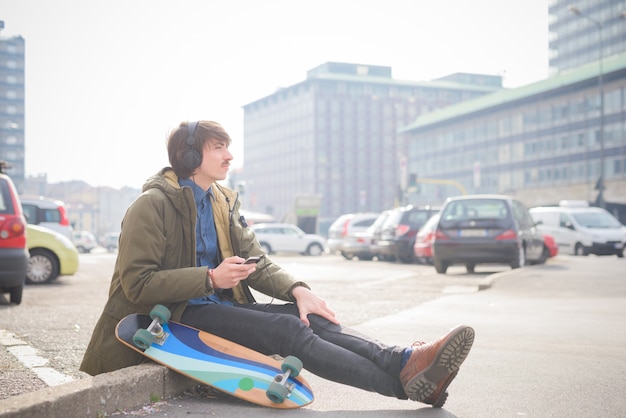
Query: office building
x=331, y=140
x=583, y=30
x=12, y=92
x=544, y=142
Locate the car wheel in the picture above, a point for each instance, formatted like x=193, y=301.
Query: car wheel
x=346, y=255
x=620, y=254
x=314, y=250
x=440, y=266
x=16, y=294
x=406, y=259
x=42, y=267
x=266, y=248
x=545, y=254
x=470, y=268
x=579, y=250
x=520, y=261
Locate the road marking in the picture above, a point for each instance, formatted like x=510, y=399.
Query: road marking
x=31, y=359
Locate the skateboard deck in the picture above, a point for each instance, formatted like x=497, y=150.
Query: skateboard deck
x=219, y=363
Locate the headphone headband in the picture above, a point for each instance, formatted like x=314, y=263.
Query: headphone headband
x=192, y=157
x=191, y=129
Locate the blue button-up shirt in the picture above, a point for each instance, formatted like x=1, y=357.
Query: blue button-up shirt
x=206, y=236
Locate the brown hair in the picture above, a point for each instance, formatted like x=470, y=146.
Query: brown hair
x=177, y=143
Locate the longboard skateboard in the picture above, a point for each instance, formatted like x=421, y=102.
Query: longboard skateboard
x=215, y=361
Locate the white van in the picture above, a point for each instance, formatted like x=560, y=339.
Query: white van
x=580, y=229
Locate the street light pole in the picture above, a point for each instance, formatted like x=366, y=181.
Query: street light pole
x=600, y=26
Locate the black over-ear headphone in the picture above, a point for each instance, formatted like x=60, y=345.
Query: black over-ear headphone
x=192, y=157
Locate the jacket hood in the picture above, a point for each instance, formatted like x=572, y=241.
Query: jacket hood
x=165, y=180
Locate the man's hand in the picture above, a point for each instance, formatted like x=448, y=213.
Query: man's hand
x=309, y=303
x=230, y=272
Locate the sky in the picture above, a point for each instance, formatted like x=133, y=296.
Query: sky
x=107, y=80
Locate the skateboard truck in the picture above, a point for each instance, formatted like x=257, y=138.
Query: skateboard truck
x=281, y=387
x=156, y=329
x=145, y=337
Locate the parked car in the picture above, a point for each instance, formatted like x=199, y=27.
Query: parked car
x=276, y=237
x=550, y=247
x=363, y=244
x=475, y=229
x=423, y=247
x=51, y=255
x=376, y=230
x=580, y=229
x=110, y=241
x=49, y=213
x=397, y=236
x=345, y=228
x=13, y=251
x=84, y=241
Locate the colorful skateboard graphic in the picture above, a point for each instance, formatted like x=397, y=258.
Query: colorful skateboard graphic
x=214, y=361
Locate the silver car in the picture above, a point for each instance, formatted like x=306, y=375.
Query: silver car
x=345, y=229
x=278, y=238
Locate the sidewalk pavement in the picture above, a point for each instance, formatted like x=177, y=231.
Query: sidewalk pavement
x=119, y=390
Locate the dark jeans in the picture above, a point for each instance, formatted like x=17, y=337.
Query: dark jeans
x=330, y=351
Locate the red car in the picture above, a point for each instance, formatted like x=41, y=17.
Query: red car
x=549, y=246
x=14, y=254
x=423, y=247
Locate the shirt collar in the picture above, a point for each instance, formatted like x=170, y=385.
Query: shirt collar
x=198, y=193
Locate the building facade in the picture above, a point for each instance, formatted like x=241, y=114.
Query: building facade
x=544, y=142
x=581, y=31
x=334, y=138
x=12, y=91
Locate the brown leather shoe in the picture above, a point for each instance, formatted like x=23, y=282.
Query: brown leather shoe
x=432, y=366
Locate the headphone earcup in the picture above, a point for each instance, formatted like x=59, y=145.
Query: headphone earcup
x=192, y=157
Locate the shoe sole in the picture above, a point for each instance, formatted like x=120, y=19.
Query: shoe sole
x=443, y=394
x=448, y=360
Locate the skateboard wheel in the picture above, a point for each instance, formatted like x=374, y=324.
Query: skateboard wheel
x=277, y=392
x=293, y=364
x=143, y=338
x=161, y=313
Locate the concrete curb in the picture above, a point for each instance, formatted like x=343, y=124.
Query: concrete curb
x=96, y=396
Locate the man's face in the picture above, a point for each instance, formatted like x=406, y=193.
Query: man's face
x=215, y=161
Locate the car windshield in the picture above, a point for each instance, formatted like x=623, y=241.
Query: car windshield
x=482, y=209
x=378, y=223
x=432, y=221
x=597, y=220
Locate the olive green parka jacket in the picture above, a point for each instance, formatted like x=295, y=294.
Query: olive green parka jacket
x=156, y=264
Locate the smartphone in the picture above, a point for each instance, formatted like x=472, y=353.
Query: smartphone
x=253, y=260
